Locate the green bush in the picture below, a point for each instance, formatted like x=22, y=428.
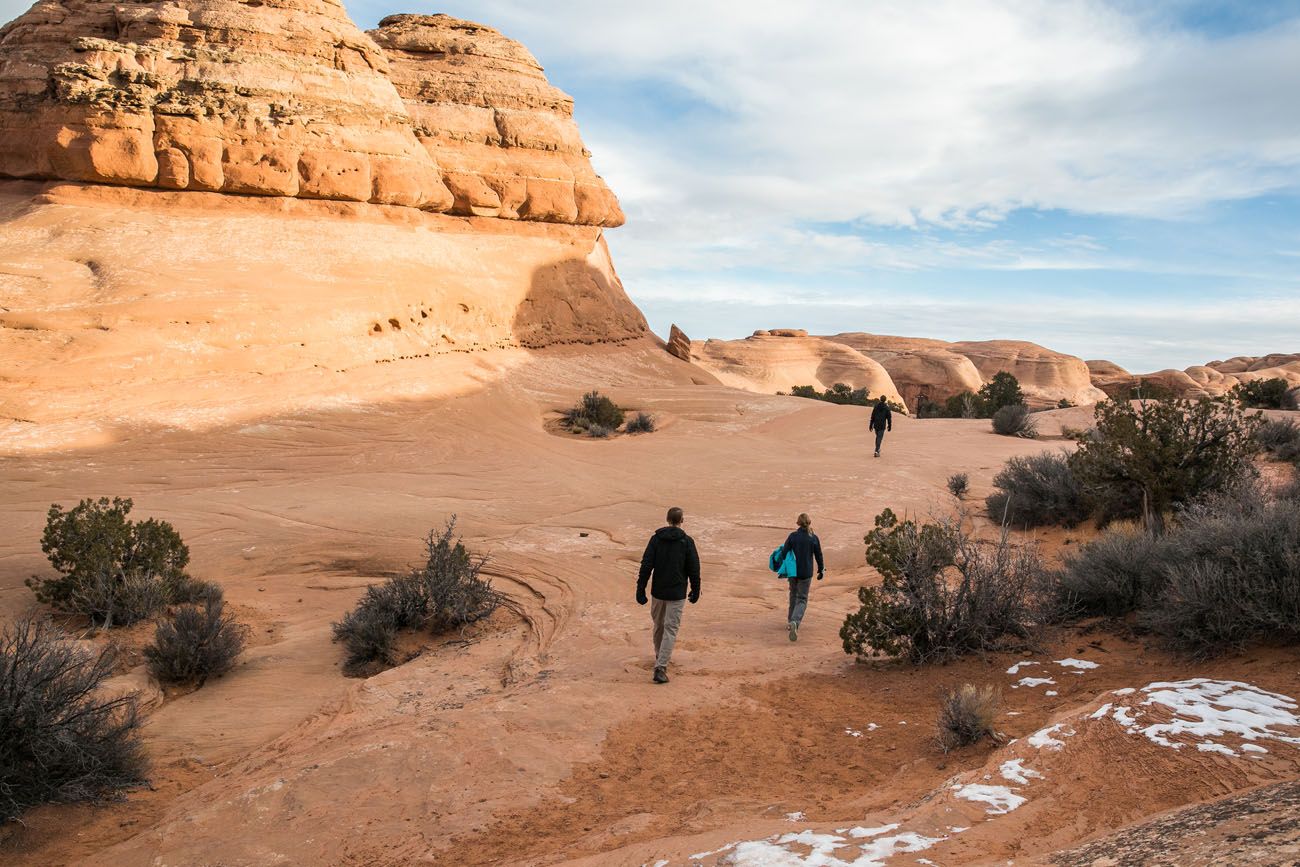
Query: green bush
x=61, y=739
x=1014, y=420
x=1272, y=393
x=447, y=592
x=113, y=570
x=1037, y=490
x=594, y=410
x=844, y=395
x=1145, y=459
x=196, y=642
x=943, y=594
x=1002, y=390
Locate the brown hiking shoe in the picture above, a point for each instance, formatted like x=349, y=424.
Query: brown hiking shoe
x=661, y=674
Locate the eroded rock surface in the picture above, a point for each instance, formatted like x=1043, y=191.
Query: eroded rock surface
x=292, y=99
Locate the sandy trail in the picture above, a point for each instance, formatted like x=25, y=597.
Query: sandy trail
x=489, y=747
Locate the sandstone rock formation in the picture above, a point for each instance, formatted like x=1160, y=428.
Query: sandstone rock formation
x=504, y=137
x=679, y=344
x=292, y=100
x=1213, y=379
x=770, y=362
x=215, y=209
x=918, y=367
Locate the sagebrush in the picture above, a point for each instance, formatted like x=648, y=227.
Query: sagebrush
x=642, y=422
x=967, y=715
x=1014, y=420
x=958, y=484
x=61, y=739
x=1037, y=490
x=196, y=642
x=594, y=412
x=1280, y=439
x=448, y=591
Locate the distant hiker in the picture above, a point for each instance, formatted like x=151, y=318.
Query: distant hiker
x=882, y=419
x=672, y=560
x=806, y=548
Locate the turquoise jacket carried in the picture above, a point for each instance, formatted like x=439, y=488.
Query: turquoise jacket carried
x=785, y=568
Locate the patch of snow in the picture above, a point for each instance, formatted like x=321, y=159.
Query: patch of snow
x=1051, y=692
x=878, y=850
x=956, y=830
x=853, y=733
x=702, y=855
x=902, y=722
x=1043, y=737
x=874, y=852
x=1128, y=690
x=1083, y=664
x=999, y=798
x=1013, y=770
x=1100, y=712
x=1015, y=669
x=871, y=727
x=862, y=833
x=1013, y=713
x=1253, y=748
x=1033, y=681
x=1209, y=709
x=661, y=864
x=796, y=816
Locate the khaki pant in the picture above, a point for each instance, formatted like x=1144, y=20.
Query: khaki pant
x=667, y=616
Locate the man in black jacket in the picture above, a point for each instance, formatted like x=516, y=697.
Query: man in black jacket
x=882, y=419
x=672, y=560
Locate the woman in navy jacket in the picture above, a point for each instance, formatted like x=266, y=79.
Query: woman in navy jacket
x=807, y=548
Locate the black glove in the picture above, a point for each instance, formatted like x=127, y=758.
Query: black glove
x=640, y=596
x=694, y=597
x=821, y=575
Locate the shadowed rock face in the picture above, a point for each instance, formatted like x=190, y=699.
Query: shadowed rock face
x=291, y=99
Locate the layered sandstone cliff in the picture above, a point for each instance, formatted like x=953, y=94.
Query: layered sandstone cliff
x=214, y=209
x=291, y=99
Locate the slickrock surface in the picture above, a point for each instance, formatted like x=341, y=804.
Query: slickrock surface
x=504, y=137
x=679, y=344
x=291, y=99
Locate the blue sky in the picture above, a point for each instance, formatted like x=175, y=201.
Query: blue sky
x=1112, y=179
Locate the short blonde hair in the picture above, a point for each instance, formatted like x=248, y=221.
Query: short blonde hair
x=803, y=520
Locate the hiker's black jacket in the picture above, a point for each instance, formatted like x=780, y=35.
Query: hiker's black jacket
x=806, y=547
x=881, y=417
x=672, y=560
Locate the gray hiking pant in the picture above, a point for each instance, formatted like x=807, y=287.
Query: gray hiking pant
x=798, y=599
x=667, y=616
x=880, y=438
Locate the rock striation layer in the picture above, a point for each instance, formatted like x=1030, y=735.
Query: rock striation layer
x=504, y=137
x=292, y=99
x=1212, y=379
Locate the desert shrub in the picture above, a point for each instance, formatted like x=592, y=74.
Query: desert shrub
x=642, y=422
x=844, y=395
x=964, y=405
x=196, y=642
x=1014, y=420
x=60, y=739
x=1280, y=438
x=598, y=431
x=943, y=593
x=1113, y=575
x=958, y=484
x=111, y=569
x=1064, y=403
x=1148, y=389
x=1037, y=490
x=1272, y=393
x=595, y=409
x=1145, y=459
x=1231, y=570
x=1075, y=433
x=445, y=593
x=967, y=714
x=1002, y=390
